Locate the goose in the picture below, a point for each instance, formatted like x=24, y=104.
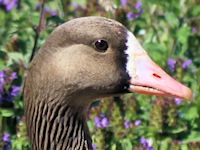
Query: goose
x=82, y=60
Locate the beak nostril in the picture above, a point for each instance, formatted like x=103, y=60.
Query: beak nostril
x=156, y=75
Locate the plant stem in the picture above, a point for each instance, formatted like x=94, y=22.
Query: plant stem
x=38, y=29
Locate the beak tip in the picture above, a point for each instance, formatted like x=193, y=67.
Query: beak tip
x=186, y=93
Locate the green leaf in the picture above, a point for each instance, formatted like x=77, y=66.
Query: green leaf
x=194, y=136
x=2, y=64
x=178, y=130
x=164, y=145
x=126, y=144
x=156, y=52
x=172, y=19
x=7, y=112
x=114, y=147
x=80, y=2
x=183, y=34
x=195, y=10
x=184, y=147
x=2, y=17
x=190, y=113
x=14, y=56
x=3, y=55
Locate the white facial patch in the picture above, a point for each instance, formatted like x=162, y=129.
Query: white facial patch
x=133, y=49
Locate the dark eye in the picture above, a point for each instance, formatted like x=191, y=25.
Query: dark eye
x=101, y=45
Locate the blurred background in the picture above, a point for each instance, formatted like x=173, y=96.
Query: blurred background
x=168, y=30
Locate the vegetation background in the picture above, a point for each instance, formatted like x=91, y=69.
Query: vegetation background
x=169, y=31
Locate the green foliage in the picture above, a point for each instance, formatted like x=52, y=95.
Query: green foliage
x=166, y=29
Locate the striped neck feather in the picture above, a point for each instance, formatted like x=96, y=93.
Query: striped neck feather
x=57, y=127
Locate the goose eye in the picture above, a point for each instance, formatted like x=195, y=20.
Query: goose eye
x=101, y=45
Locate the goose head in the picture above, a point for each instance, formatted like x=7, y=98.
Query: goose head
x=89, y=58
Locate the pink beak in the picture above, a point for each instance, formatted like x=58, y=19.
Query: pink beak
x=149, y=78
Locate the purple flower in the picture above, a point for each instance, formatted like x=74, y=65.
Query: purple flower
x=135, y=14
x=75, y=4
x=15, y=90
x=149, y=148
x=47, y=10
x=9, y=4
x=8, y=146
x=178, y=101
x=131, y=16
x=94, y=146
x=123, y=2
x=172, y=64
x=147, y=143
x=137, y=122
x=2, y=77
x=104, y=122
x=13, y=76
x=186, y=64
x=194, y=30
x=143, y=141
x=101, y=122
x=97, y=121
x=138, y=6
x=50, y=11
x=6, y=78
x=6, y=137
x=38, y=6
x=2, y=81
x=127, y=124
